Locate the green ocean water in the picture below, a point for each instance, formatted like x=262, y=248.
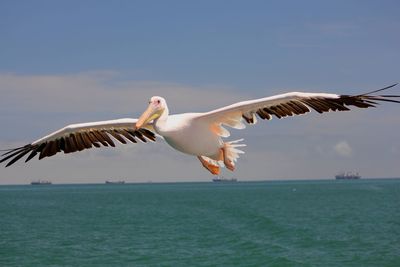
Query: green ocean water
x=293, y=223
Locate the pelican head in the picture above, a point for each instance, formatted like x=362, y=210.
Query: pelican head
x=157, y=106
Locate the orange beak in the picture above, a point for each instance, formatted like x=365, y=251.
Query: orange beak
x=151, y=113
x=145, y=117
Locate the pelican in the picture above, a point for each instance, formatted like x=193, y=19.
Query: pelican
x=198, y=134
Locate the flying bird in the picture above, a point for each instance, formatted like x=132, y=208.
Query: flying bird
x=198, y=134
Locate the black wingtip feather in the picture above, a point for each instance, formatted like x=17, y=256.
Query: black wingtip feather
x=16, y=154
x=20, y=155
x=379, y=90
x=11, y=150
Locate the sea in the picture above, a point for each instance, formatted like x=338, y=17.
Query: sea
x=270, y=223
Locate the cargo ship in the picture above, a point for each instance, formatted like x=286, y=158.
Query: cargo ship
x=41, y=182
x=115, y=182
x=347, y=176
x=224, y=180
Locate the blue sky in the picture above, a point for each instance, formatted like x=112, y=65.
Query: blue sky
x=74, y=61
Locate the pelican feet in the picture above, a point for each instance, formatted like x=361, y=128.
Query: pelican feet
x=214, y=169
x=228, y=163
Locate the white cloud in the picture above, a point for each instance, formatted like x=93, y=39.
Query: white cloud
x=104, y=91
x=343, y=149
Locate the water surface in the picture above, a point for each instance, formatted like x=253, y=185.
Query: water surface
x=294, y=223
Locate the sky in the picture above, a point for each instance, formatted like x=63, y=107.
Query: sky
x=64, y=62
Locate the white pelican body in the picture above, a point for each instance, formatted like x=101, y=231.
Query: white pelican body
x=184, y=134
x=198, y=134
x=192, y=133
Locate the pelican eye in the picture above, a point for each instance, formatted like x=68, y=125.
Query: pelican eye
x=158, y=101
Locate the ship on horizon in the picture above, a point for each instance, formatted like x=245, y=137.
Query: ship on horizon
x=41, y=182
x=219, y=179
x=115, y=182
x=347, y=176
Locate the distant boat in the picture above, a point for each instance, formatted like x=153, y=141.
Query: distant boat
x=224, y=180
x=115, y=182
x=347, y=176
x=41, y=182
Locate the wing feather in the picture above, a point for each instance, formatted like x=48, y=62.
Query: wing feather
x=77, y=137
x=289, y=104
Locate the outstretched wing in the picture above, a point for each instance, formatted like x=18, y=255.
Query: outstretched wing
x=77, y=137
x=289, y=104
